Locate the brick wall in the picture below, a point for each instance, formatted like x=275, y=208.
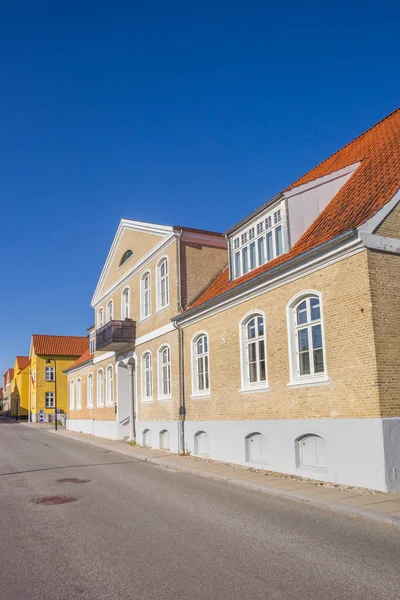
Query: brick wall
x=391, y=225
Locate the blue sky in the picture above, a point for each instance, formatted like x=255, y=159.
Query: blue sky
x=174, y=112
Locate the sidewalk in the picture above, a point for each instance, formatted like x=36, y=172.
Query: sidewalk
x=379, y=507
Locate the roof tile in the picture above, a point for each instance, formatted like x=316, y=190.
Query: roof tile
x=59, y=345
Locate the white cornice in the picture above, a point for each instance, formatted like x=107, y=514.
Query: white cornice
x=102, y=357
x=381, y=243
x=321, y=180
x=143, y=339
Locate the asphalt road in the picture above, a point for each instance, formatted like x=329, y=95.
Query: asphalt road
x=142, y=532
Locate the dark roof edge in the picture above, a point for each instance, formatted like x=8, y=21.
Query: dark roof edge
x=254, y=213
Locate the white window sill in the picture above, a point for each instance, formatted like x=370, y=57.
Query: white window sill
x=309, y=382
x=143, y=319
x=100, y=406
x=159, y=310
x=200, y=396
x=146, y=401
x=255, y=390
x=164, y=398
x=109, y=405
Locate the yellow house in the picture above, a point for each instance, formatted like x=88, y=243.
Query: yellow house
x=7, y=380
x=20, y=388
x=49, y=356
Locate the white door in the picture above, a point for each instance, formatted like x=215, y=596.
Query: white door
x=164, y=440
x=201, y=443
x=258, y=448
x=313, y=452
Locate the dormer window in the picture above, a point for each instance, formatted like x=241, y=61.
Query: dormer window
x=262, y=242
x=125, y=257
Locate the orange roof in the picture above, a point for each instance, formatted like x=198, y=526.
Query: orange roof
x=86, y=357
x=23, y=361
x=59, y=345
x=371, y=186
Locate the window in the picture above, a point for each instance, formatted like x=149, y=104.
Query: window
x=100, y=318
x=201, y=377
x=100, y=387
x=110, y=386
x=110, y=311
x=162, y=284
x=306, y=339
x=164, y=372
x=91, y=342
x=49, y=399
x=125, y=304
x=147, y=377
x=78, y=394
x=49, y=373
x=262, y=242
x=145, y=296
x=253, y=352
x=125, y=257
x=72, y=394
x=90, y=391
x=312, y=452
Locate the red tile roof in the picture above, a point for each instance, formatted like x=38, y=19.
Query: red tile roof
x=369, y=188
x=59, y=345
x=23, y=361
x=86, y=357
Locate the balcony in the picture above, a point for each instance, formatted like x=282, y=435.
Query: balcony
x=116, y=335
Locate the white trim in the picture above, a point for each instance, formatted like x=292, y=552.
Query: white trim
x=143, y=339
x=255, y=390
x=373, y=223
x=160, y=396
x=87, y=390
x=127, y=225
x=104, y=356
x=320, y=262
x=99, y=401
x=381, y=243
x=321, y=180
x=143, y=397
x=310, y=383
x=207, y=391
x=160, y=308
x=200, y=396
x=246, y=386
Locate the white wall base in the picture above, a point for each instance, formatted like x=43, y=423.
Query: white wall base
x=155, y=428
x=105, y=429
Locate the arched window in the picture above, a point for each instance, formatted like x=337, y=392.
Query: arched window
x=306, y=339
x=110, y=386
x=201, y=444
x=147, y=377
x=125, y=304
x=164, y=372
x=110, y=311
x=125, y=257
x=72, y=394
x=200, y=367
x=312, y=452
x=89, y=397
x=164, y=440
x=100, y=318
x=253, y=352
x=78, y=393
x=145, y=296
x=257, y=448
x=100, y=387
x=162, y=284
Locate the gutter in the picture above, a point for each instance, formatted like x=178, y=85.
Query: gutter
x=263, y=277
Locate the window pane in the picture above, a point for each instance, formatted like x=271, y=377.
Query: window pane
x=260, y=323
x=318, y=361
x=302, y=313
x=279, y=240
x=245, y=260
x=304, y=358
x=207, y=385
x=205, y=343
x=315, y=309
x=238, y=270
x=252, y=372
x=253, y=255
x=252, y=352
x=303, y=340
x=261, y=252
x=261, y=350
x=270, y=247
x=251, y=329
x=200, y=345
x=262, y=370
x=317, y=336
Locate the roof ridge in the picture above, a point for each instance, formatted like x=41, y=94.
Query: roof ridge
x=292, y=185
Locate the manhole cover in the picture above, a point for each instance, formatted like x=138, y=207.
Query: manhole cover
x=73, y=480
x=49, y=500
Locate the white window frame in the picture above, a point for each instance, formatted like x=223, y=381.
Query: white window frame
x=92, y=342
x=246, y=385
x=100, y=318
x=246, y=237
x=126, y=303
x=110, y=311
x=100, y=396
x=47, y=396
x=196, y=392
x=79, y=394
x=143, y=294
x=144, y=371
x=161, y=366
x=89, y=394
x=51, y=371
x=72, y=395
x=110, y=386
x=160, y=279
x=297, y=380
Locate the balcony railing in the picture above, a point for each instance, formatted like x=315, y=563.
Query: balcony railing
x=114, y=335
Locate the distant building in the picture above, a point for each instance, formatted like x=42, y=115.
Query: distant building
x=20, y=388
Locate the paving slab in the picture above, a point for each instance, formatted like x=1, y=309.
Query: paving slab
x=364, y=500
x=385, y=507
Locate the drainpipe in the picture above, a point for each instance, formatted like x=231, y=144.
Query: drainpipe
x=182, y=409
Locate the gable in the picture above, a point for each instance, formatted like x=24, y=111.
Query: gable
x=140, y=239
x=390, y=227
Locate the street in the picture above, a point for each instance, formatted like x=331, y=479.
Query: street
x=138, y=531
